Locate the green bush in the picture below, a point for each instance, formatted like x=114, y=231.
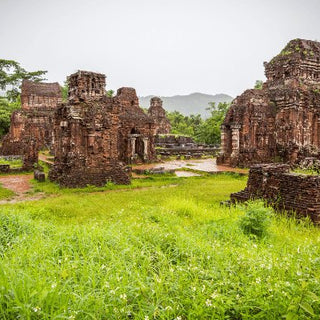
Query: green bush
x=256, y=219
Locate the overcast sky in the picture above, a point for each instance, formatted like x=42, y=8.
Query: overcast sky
x=161, y=47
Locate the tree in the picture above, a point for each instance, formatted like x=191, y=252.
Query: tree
x=6, y=109
x=184, y=125
x=209, y=131
x=11, y=76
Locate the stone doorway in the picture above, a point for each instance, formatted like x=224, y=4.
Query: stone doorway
x=138, y=146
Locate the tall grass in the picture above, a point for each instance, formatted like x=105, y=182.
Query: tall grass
x=160, y=249
x=5, y=193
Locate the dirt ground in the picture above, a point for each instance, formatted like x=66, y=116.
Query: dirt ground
x=206, y=165
x=20, y=185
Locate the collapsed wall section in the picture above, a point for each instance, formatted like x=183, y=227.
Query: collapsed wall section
x=283, y=190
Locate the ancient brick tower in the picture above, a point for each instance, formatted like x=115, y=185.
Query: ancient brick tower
x=86, y=135
x=34, y=119
x=281, y=121
x=136, y=134
x=158, y=114
x=31, y=126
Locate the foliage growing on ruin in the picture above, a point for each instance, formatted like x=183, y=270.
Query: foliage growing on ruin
x=258, y=84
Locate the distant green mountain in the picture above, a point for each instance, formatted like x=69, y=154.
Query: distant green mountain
x=188, y=104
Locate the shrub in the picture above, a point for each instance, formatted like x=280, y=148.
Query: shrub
x=256, y=219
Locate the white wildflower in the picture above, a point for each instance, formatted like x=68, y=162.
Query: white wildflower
x=208, y=303
x=36, y=309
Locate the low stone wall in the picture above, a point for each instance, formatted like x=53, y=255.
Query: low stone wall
x=283, y=190
x=193, y=152
x=4, y=168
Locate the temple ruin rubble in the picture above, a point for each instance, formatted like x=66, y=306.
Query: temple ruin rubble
x=283, y=190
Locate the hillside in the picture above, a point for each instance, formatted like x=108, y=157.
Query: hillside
x=188, y=104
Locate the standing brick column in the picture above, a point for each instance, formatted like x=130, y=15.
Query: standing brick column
x=235, y=131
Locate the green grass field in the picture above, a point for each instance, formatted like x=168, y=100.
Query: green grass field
x=162, y=248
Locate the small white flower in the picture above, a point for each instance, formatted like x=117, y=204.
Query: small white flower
x=178, y=318
x=36, y=309
x=53, y=285
x=123, y=296
x=208, y=303
x=146, y=318
x=258, y=280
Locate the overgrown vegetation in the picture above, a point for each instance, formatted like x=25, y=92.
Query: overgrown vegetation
x=14, y=163
x=256, y=220
x=163, y=248
x=258, y=85
x=5, y=194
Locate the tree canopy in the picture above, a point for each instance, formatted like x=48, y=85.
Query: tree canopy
x=202, y=130
x=11, y=76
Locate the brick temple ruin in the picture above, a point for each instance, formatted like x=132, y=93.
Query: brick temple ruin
x=283, y=190
x=31, y=126
x=281, y=121
x=95, y=136
x=158, y=114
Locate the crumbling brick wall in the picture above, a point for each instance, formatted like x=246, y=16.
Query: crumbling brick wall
x=136, y=133
x=283, y=190
x=281, y=121
x=34, y=119
x=158, y=114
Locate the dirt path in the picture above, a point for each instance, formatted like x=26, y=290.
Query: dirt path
x=17, y=183
x=206, y=165
x=20, y=185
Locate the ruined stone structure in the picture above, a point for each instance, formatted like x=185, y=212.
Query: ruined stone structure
x=136, y=134
x=170, y=144
x=281, y=121
x=283, y=190
x=31, y=126
x=158, y=114
x=95, y=135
